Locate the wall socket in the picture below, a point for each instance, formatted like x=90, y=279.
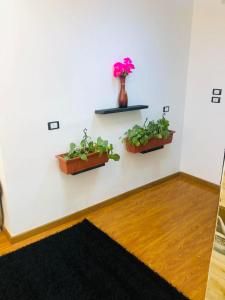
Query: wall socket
x=216, y=100
x=53, y=125
x=166, y=109
x=216, y=95
x=217, y=92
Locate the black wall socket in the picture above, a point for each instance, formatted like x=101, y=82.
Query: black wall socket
x=217, y=92
x=166, y=109
x=53, y=125
x=216, y=100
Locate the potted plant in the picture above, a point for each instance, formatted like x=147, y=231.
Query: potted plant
x=122, y=70
x=151, y=136
x=87, y=155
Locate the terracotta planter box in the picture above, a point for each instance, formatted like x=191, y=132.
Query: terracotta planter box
x=153, y=144
x=77, y=165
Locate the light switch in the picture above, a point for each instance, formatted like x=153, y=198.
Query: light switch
x=166, y=109
x=215, y=99
x=217, y=92
x=53, y=125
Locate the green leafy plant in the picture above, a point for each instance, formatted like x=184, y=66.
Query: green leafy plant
x=87, y=146
x=140, y=135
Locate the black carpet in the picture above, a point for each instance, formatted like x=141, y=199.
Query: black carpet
x=80, y=263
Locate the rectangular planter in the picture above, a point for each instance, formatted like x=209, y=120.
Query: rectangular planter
x=77, y=165
x=153, y=143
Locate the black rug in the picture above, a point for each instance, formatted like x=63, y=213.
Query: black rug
x=80, y=263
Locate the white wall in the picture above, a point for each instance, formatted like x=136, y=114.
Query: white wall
x=56, y=64
x=204, y=126
x=4, y=197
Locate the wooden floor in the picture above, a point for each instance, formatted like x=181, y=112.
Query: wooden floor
x=169, y=226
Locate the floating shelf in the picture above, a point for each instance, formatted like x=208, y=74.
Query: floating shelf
x=118, y=109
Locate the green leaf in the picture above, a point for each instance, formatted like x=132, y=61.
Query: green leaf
x=110, y=147
x=66, y=157
x=72, y=146
x=114, y=156
x=99, y=141
x=83, y=156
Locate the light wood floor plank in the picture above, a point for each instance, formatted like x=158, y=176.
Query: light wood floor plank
x=169, y=226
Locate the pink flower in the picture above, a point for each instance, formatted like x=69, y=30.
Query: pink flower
x=123, y=69
x=127, y=60
x=116, y=73
x=129, y=68
x=118, y=69
x=119, y=66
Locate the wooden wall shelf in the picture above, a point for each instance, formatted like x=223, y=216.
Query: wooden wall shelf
x=118, y=109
